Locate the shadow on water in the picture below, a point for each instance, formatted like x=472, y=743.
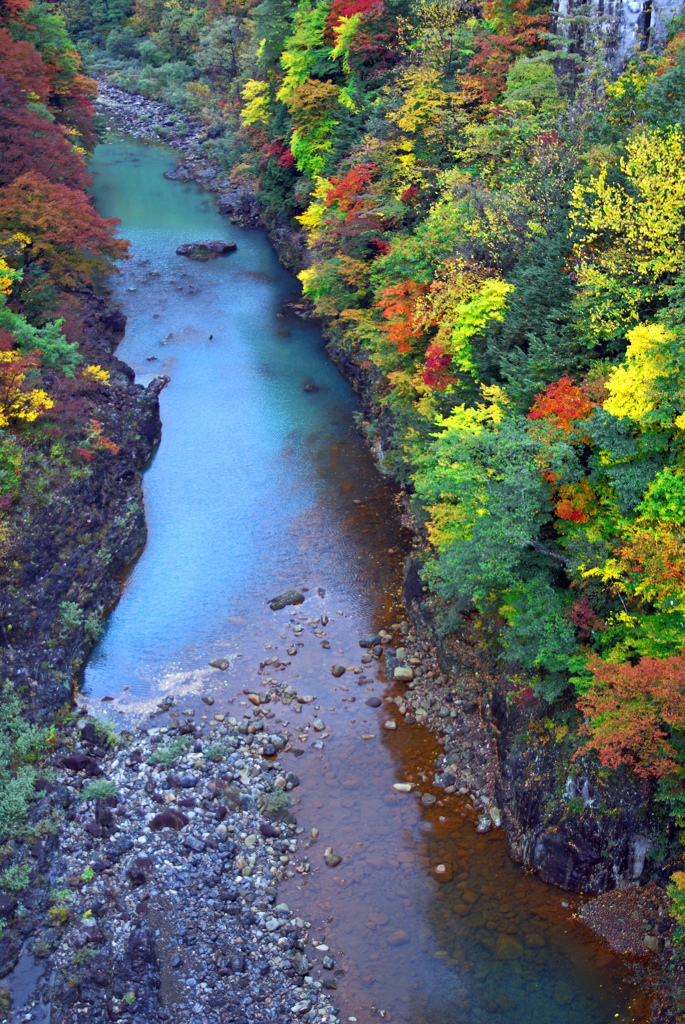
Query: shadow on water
x=259, y=486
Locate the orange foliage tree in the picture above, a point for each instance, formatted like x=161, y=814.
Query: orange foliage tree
x=398, y=305
x=69, y=239
x=630, y=711
x=563, y=402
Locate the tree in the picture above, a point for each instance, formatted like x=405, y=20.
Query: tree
x=29, y=141
x=632, y=712
x=18, y=400
x=69, y=239
x=629, y=246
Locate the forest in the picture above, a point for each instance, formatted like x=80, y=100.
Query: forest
x=53, y=245
x=493, y=217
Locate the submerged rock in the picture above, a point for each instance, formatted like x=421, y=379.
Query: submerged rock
x=207, y=250
x=370, y=641
x=289, y=597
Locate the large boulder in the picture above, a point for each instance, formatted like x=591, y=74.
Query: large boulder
x=207, y=250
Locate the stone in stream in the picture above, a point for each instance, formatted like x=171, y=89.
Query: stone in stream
x=373, y=702
x=207, y=250
x=207, y=700
x=338, y=670
x=398, y=938
x=331, y=858
x=220, y=663
x=403, y=674
x=370, y=641
x=390, y=724
x=319, y=725
x=281, y=600
x=427, y=800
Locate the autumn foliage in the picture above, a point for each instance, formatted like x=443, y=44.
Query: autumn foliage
x=630, y=713
x=564, y=403
x=69, y=239
x=398, y=304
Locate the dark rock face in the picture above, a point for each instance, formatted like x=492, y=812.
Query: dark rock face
x=208, y=250
x=72, y=551
x=575, y=830
x=241, y=207
x=137, y=972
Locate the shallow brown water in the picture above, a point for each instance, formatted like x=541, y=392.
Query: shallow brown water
x=259, y=487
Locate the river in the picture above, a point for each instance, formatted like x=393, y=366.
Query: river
x=261, y=484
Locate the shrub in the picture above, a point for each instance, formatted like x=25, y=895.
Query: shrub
x=71, y=617
x=16, y=877
x=216, y=753
x=20, y=745
x=151, y=54
x=274, y=803
x=98, y=790
x=122, y=43
x=168, y=754
x=93, y=628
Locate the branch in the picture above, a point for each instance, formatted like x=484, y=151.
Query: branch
x=545, y=551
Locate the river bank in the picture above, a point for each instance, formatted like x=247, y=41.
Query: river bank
x=156, y=898
x=71, y=536
x=562, y=842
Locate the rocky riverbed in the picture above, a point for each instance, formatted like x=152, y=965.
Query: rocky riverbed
x=157, y=898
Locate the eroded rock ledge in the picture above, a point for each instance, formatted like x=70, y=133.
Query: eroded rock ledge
x=71, y=537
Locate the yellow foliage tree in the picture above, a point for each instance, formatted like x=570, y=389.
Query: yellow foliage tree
x=16, y=401
x=97, y=374
x=462, y=300
x=636, y=387
x=628, y=238
x=256, y=97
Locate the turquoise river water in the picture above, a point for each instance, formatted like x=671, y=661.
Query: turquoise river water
x=260, y=486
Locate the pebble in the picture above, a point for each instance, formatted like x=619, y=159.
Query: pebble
x=207, y=876
x=338, y=670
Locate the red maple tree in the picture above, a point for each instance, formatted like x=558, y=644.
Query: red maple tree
x=70, y=241
x=630, y=711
